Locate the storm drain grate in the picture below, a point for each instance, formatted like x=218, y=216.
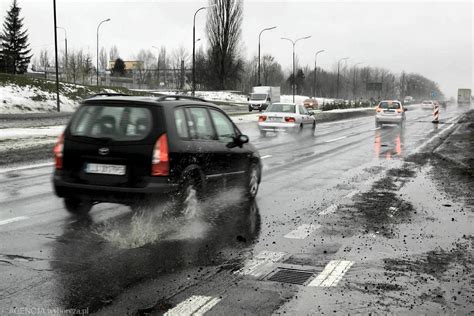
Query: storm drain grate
x=291, y=276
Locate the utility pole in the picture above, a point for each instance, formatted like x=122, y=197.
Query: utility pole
x=98, y=26
x=58, y=107
x=314, y=73
x=65, y=51
x=294, y=43
x=259, y=35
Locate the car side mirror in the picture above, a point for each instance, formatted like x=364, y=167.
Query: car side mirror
x=405, y=109
x=248, y=98
x=238, y=141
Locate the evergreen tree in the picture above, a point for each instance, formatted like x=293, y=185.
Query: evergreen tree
x=119, y=67
x=14, y=54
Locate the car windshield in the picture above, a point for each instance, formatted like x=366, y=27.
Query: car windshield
x=282, y=108
x=118, y=123
x=258, y=96
x=389, y=105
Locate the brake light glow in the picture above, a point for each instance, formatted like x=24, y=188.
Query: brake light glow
x=160, y=163
x=400, y=110
x=378, y=110
x=58, y=152
x=262, y=118
x=290, y=119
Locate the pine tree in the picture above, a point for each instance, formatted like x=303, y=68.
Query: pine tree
x=119, y=67
x=14, y=54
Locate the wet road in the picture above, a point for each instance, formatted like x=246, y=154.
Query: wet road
x=338, y=217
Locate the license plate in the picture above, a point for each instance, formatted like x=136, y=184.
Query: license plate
x=274, y=119
x=118, y=170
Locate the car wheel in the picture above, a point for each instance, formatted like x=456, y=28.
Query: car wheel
x=78, y=206
x=253, y=181
x=314, y=126
x=263, y=133
x=188, y=198
x=250, y=110
x=377, y=124
x=300, y=129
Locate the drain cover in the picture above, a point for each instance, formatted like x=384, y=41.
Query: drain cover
x=291, y=276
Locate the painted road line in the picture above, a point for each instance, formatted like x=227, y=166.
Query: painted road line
x=195, y=305
x=332, y=273
x=302, y=231
x=331, y=209
x=351, y=194
x=439, y=134
x=265, y=157
x=12, y=220
x=48, y=164
x=257, y=265
x=335, y=140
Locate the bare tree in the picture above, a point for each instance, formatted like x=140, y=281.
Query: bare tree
x=113, y=53
x=224, y=22
x=44, y=61
x=180, y=55
x=103, y=62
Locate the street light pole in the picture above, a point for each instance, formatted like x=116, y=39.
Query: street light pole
x=65, y=51
x=315, y=70
x=56, y=57
x=294, y=43
x=194, y=46
x=259, y=35
x=338, y=66
x=98, y=26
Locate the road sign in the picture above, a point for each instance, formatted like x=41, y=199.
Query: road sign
x=433, y=94
x=374, y=86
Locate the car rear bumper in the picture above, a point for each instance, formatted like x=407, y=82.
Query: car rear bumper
x=102, y=193
x=389, y=119
x=278, y=127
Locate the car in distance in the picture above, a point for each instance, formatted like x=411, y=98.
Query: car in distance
x=428, y=104
x=408, y=100
x=310, y=104
x=128, y=150
x=285, y=117
x=390, y=112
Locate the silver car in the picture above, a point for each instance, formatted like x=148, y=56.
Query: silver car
x=390, y=112
x=285, y=117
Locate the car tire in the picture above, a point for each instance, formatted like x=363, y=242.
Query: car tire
x=77, y=206
x=313, y=127
x=263, y=133
x=250, y=110
x=377, y=124
x=253, y=182
x=300, y=129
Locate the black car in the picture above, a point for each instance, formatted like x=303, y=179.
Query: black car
x=127, y=150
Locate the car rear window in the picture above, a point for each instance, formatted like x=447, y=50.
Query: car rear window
x=284, y=108
x=389, y=105
x=119, y=123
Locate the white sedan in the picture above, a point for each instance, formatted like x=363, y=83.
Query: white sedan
x=285, y=117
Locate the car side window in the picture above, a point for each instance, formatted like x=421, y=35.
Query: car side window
x=201, y=124
x=180, y=121
x=302, y=110
x=224, y=127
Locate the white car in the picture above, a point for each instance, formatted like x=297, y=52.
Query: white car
x=390, y=112
x=285, y=117
x=427, y=104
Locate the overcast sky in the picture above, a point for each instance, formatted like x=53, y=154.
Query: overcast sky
x=433, y=38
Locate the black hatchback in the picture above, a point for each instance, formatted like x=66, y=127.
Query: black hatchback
x=127, y=150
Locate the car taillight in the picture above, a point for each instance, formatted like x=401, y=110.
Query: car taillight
x=399, y=110
x=160, y=165
x=378, y=110
x=58, y=152
x=290, y=119
x=262, y=118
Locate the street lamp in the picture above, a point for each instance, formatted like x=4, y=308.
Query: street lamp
x=56, y=56
x=259, y=35
x=194, y=45
x=294, y=42
x=65, y=51
x=315, y=69
x=354, y=80
x=98, y=26
x=337, y=85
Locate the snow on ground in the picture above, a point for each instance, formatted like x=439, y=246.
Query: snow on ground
x=16, y=99
x=299, y=99
x=227, y=96
x=50, y=131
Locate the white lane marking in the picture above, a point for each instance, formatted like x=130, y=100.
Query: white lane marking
x=438, y=134
x=335, y=140
x=332, y=273
x=256, y=266
x=195, y=305
x=351, y=194
x=12, y=220
x=49, y=164
x=302, y=231
x=331, y=209
x=265, y=157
